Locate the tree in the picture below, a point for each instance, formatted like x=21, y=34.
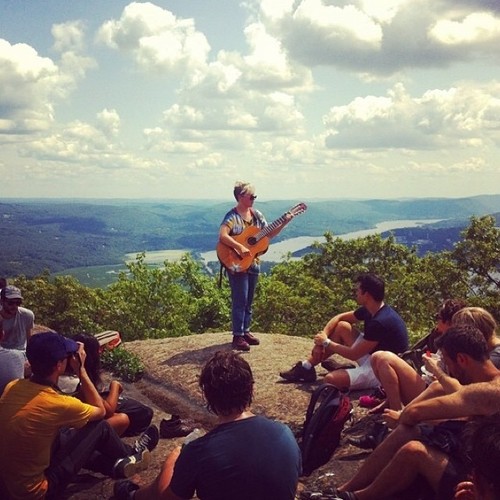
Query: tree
x=478, y=254
x=62, y=303
x=169, y=301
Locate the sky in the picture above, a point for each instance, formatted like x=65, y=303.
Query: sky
x=305, y=99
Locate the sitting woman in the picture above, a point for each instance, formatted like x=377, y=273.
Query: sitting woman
x=126, y=415
x=482, y=319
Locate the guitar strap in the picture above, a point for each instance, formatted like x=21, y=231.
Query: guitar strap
x=221, y=272
x=256, y=216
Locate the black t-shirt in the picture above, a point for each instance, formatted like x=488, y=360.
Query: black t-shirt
x=386, y=327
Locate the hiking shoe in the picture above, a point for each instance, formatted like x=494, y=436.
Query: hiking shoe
x=299, y=374
x=371, y=440
x=331, y=365
x=170, y=430
x=128, y=466
x=251, y=339
x=148, y=440
x=122, y=490
x=173, y=420
x=345, y=495
x=240, y=344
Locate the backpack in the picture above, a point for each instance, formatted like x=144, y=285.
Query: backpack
x=326, y=415
x=108, y=340
x=413, y=356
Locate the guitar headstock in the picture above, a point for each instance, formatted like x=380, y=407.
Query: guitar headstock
x=297, y=209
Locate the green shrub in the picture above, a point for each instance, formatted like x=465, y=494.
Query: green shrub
x=123, y=364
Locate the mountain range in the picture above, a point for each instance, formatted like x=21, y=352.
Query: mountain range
x=54, y=235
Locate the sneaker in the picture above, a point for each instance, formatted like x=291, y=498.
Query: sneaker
x=331, y=365
x=240, y=344
x=148, y=440
x=122, y=490
x=345, y=495
x=128, y=466
x=173, y=420
x=170, y=430
x=299, y=374
x=251, y=339
x=373, y=439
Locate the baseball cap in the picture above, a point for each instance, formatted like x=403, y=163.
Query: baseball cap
x=11, y=292
x=49, y=346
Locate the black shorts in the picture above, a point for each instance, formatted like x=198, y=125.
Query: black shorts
x=447, y=438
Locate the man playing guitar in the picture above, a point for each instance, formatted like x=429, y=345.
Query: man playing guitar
x=235, y=252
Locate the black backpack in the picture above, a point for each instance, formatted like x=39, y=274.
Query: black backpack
x=327, y=413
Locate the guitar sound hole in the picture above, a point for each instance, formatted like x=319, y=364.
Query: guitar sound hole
x=252, y=240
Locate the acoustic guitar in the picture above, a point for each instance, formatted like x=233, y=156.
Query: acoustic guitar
x=255, y=239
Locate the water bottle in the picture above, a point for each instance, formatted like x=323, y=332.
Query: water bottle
x=194, y=434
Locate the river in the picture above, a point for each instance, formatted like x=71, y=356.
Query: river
x=277, y=251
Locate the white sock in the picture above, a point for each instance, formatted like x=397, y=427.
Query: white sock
x=307, y=365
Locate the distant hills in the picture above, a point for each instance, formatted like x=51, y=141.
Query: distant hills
x=62, y=234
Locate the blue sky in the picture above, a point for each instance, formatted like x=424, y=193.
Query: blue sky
x=304, y=98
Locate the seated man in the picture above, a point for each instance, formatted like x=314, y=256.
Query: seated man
x=47, y=437
x=245, y=457
x=398, y=379
x=433, y=451
x=383, y=330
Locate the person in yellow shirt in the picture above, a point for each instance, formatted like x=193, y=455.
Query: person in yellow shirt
x=47, y=436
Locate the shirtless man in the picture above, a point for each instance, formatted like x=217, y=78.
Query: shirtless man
x=416, y=447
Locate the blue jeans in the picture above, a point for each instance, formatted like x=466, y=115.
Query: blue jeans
x=242, y=292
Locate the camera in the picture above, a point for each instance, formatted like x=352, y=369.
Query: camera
x=69, y=370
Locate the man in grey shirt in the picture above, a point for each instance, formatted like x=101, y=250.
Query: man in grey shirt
x=17, y=321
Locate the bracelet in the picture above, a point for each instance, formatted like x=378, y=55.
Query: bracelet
x=326, y=343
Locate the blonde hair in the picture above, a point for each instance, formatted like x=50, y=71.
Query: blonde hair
x=242, y=187
x=478, y=317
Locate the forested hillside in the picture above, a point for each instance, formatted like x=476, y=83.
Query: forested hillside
x=58, y=235
x=294, y=298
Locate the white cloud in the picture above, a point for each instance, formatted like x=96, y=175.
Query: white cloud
x=465, y=116
x=475, y=28
x=385, y=36
x=157, y=40
x=31, y=84
x=26, y=87
x=68, y=36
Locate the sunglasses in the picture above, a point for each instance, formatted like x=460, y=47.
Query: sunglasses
x=252, y=196
x=13, y=302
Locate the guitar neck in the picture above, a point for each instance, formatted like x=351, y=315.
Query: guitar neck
x=270, y=227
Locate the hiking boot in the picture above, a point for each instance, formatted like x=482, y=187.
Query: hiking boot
x=128, y=466
x=124, y=489
x=299, y=374
x=148, y=440
x=331, y=365
x=373, y=439
x=170, y=429
x=240, y=344
x=251, y=339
